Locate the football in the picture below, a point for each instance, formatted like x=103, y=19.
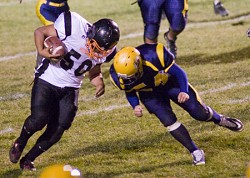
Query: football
x=57, y=46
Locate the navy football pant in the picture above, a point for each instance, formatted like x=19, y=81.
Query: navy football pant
x=151, y=11
x=158, y=103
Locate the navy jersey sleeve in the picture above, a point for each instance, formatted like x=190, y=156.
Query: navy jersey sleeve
x=181, y=77
x=132, y=98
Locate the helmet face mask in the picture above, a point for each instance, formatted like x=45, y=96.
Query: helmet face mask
x=128, y=65
x=129, y=80
x=102, y=37
x=94, y=51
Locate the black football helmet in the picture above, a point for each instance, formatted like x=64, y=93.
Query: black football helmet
x=102, y=36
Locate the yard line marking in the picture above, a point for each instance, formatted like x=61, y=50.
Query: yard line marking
x=227, y=87
x=110, y=108
x=133, y=35
x=215, y=90
x=6, y=130
x=113, y=107
x=4, y=4
x=202, y=24
x=245, y=84
x=5, y=58
x=192, y=24
x=246, y=99
x=13, y=96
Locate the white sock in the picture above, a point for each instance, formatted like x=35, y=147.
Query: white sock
x=216, y=1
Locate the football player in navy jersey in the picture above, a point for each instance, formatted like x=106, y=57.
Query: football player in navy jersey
x=48, y=11
x=176, y=12
x=148, y=73
x=58, y=79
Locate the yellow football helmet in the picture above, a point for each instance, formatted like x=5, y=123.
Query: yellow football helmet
x=128, y=65
x=248, y=171
x=60, y=171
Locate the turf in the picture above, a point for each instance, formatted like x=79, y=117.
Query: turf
x=106, y=139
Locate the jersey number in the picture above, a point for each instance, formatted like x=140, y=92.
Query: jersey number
x=161, y=78
x=67, y=63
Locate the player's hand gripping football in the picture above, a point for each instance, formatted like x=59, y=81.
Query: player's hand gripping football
x=48, y=45
x=54, y=49
x=46, y=52
x=138, y=111
x=182, y=97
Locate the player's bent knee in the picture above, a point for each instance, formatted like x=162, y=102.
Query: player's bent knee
x=68, y=117
x=151, y=31
x=32, y=125
x=57, y=135
x=178, y=29
x=54, y=138
x=203, y=114
x=180, y=26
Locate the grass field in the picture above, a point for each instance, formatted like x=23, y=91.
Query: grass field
x=106, y=139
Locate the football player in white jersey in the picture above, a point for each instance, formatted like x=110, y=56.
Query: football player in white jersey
x=58, y=79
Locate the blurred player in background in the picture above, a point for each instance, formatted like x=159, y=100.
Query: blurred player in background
x=220, y=9
x=149, y=74
x=55, y=91
x=248, y=32
x=176, y=13
x=48, y=10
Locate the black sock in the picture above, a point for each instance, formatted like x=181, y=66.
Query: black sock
x=34, y=152
x=181, y=134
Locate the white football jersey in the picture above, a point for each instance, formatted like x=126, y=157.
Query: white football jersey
x=69, y=72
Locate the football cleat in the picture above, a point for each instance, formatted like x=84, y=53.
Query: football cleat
x=198, y=157
x=171, y=44
x=231, y=123
x=26, y=164
x=220, y=9
x=15, y=152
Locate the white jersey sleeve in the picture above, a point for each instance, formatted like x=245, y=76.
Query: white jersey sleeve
x=70, y=71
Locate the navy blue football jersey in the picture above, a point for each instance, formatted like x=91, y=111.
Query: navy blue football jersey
x=158, y=67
